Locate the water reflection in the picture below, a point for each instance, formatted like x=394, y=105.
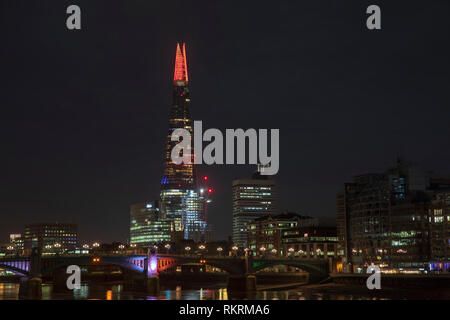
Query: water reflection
x=10, y=291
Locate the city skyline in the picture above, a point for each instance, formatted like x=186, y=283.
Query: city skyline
x=84, y=153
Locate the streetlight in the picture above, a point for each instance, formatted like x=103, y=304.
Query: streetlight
x=133, y=245
x=274, y=251
x=167, y=246
x=319, y=252
x=187, y=249
x=290, y=250
x=219, y=250
x=121, y=247
x=85, y=246
x=300, y=252
x=263, y=250
x=57, y=246
x=96, y=244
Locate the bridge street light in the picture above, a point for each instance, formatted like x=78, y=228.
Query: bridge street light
x=263, y=250
x=10, y=249
x=167, y=246
x=290, y=251
x=187, y=249
x=57, y=247
x=300, y=252
x=202, y=249
x=319, y=253
x=219, y=250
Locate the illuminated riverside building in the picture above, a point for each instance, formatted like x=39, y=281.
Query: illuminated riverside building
x=265, y=233
x=252, y=198
x=310, y=242
x=389, y=219
x=17, y=243
x=439, y=219
x=180, y=200
x=51, y=238
x=146, y=226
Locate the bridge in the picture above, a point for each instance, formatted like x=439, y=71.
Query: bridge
x=145, y=268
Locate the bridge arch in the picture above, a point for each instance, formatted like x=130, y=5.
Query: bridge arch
x=135, y=264
x=317, y=269
x=14, y=269
x=235, y=267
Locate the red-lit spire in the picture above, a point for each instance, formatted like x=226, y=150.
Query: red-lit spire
x=180, y=73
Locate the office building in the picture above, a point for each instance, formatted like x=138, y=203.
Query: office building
x=51, y=238
x=181, y=201
x=252, y=198
x=146, y=226
x=396, y=219
x=264, y=234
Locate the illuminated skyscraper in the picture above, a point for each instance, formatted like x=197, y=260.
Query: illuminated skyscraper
x=146, y=227
x=181, y=202
x=252, y=198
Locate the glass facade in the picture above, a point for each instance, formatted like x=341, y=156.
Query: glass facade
x=146, y=227
x=181, y=202
x=390, y=218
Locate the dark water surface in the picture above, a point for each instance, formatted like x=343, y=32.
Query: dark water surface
x=9, y=291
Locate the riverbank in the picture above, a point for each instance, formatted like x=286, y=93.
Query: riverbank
x=409, y=281
x=338, y=291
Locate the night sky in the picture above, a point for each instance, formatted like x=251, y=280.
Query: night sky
x=84, y=114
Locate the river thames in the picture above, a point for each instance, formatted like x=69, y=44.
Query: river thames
x=10, y=291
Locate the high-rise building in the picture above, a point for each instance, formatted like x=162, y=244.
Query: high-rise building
x=180, y=200
x=146, y=226
x=252, y=198
x=51, y=238
x=394, y=218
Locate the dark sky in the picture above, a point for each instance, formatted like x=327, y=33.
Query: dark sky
x=84, y=114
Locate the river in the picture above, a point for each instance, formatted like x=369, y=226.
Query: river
x=10, y=290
